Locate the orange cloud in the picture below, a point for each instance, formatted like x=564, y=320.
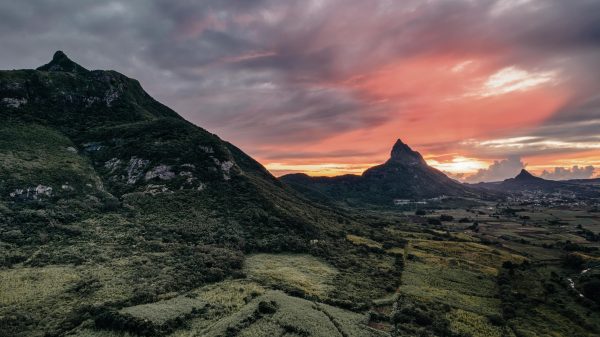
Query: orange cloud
x=441, y=99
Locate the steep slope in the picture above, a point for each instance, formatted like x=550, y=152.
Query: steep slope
x=138, y=148
x=404, y=175
x=109, y=199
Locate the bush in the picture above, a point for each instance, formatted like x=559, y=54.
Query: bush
x=591, y=290
x=434, y=222
x=573, y=261
x=496, y=320
x=445, y=217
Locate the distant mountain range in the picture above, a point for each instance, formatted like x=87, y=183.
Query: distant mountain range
x=526, y=182
x=405, y=175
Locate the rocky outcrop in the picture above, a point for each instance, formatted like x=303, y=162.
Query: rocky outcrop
x=32, y=193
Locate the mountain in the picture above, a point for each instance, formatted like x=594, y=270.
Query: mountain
x=527, y=182
x=110, y=200
x=593, y=181
x=97, y=136
x=405, y=175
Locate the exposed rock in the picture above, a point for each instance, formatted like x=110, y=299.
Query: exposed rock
x=18, y=192
x=14, y=102
x=67, y=187
x=206, y=149
x=112, y=164
x=92, y=146
x=32, y=193
x=113, y=94
x=186, y=174
x=191, y=166
x=12, y=86
x=201, y=187
x=43, y=190
x=226, y=167
x=89, y=101
x=156, y=189
x=72, y=149
x=135, y=169
x=162, y=172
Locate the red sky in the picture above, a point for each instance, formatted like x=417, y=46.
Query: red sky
x=481, y=88
x=461, y=102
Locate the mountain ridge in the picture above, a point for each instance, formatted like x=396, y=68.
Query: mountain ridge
x=527, y=182
x=110, y=142
x=405, y=174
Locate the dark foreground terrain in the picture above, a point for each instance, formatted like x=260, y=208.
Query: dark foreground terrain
x=119, y=218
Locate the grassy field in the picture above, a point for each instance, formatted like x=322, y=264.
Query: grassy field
x=362, y=241
x=301, y=273
x=275, y=314
x=452, y=283
x=460, y=275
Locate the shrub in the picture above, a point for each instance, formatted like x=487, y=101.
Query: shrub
x=573, y=261
x=591, y=290
x=435, y=222
x=445, y=217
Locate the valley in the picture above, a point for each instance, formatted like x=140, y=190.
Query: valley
x=508, y=275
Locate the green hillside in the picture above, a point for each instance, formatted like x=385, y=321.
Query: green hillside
x=119, y=218
x=108, y=199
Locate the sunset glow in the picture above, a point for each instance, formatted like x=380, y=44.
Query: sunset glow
x=326, y=87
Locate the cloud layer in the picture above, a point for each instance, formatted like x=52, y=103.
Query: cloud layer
x=336, y=82
x=575, y=172
x=498, y=171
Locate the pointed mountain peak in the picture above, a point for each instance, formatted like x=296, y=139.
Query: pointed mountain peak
x=403, y=153
x=524, y=174
x=61, y=62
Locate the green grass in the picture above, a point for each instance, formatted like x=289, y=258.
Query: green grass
x=457, y=278
x=296, y=316
x=362, y=241
x=470, y=252
x=305, y=273
x=24, y=287
x=472, y=324
x=163, y=311
x=31, y=154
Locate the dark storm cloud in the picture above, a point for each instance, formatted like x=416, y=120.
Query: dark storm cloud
x=265, y=71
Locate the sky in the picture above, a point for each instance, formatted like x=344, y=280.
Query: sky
x=481, y=89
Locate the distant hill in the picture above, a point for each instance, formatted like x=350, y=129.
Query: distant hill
x=593, y=182
x=405, y=175
x=525, y=181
